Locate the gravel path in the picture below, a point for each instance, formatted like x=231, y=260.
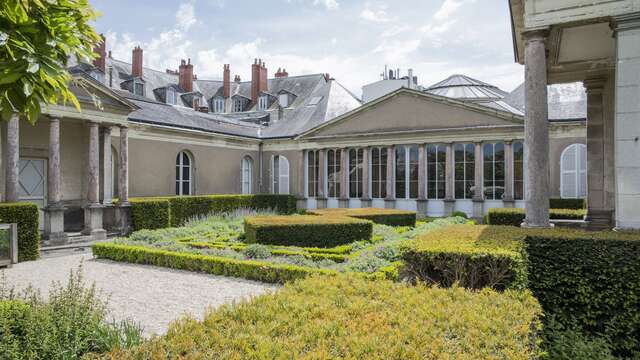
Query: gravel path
x=150, y=295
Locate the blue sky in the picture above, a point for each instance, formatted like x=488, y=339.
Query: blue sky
x=351, y=40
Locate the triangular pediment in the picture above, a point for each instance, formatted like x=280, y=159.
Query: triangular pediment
x=409, y=110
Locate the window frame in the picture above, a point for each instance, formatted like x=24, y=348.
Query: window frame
x=466, y=170
x=278, y=164
x=494, y=180
x=312, y=173
x=217, y=105
x=263, y=103
x=246, y=175
x=436, y=171
x=580, y=173
x=356, y=164
x=283, y=103
x=334, y=172
x=378, y=171
x=238, y=104
x=518, y=183
x=171, y=96
x=180, y=178
x=135, y=87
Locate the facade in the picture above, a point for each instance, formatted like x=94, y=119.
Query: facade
x=456, y=146
x=598, y=44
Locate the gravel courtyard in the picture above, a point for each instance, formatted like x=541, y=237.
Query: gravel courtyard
x=152, y=296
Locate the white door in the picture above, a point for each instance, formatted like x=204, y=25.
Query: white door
x=33, y=183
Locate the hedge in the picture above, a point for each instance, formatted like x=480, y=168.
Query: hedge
x=306, y=230
x=574, y=204
x=26, y=216
x=347, y=317
x=515, y=216
x=246, y=269
x=277, y=252
x=167, y=211
x=389, y=217
x=472, y=256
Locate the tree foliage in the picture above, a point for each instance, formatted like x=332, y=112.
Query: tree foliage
x=37, y=40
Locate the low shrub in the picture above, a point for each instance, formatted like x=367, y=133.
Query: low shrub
x=256, y=251
x=353, y=318
x=574, y=204
x=26, y=216
x=459, y=214
x=515, y=216
x=391, y=217
x=150, y=213
x=247, y=269
x=569, y=343
x=306, y=230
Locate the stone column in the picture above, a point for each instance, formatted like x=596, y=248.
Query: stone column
x=12, y=160
x=449, y=196
x=366, y=191
x=422, y=181
x=390, y=200
x=536, y=131
x=54, y=212
x=321, y=198
x=123, y=215
x=478, y=180
x=507, y=197
x=343, y=201
x=93, y=210
x=107, y=167
x=301, y=196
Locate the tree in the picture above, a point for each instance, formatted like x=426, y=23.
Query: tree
x=37, y=40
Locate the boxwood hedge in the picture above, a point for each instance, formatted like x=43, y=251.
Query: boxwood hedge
x=515, y=216
x=26, y=216
x=391, y=217
x=575, y=204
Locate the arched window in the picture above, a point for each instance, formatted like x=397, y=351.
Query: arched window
x=280, y=175
x=355, y=172
x=518, y=170
x=464, y=170
x=184, y=174
x=313, y=167
x=573, y=169
x=493, y=171
x=333, y=172
x=379, y=173
x=436, y=161
x=247, y=175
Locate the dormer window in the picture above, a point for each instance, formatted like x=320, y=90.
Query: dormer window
x=138, y=88
x=98, y=75
x=218, y=105
x=263, y=103
x=238, y=104
x=171, y=96
x=283, y=99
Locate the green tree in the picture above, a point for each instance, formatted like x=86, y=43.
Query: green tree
x=37, y=39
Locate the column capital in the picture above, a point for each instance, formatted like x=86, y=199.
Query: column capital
x=540, y=34
x=594, y=85
x=508, y=141
x=627, y=21
x=54, y=118
x=123, y=126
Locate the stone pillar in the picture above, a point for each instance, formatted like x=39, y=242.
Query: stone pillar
x=321, y=199
x=536, y=131
x=107, y=168
x=12, y=160
x=390, y=200
x=54, y=212
x=343, y=201
x=507, y=197
x=365, y=201
x=301, y=195
x=422, y=181
x=627, y=121
x=449, y=196
x=478, y=193
x=123, y=215
x=93, y=210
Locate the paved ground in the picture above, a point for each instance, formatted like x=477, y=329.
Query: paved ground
x=152, y=296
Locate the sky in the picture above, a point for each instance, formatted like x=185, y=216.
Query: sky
x=350, y=40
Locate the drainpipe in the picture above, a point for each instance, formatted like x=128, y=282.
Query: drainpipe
x=260, y=167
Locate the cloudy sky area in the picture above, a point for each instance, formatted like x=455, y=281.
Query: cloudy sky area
x=351, y=40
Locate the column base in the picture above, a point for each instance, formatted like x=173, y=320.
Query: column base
x=389, y=203
x=123, y=218
x=421, y=206
x=93, y=222
x=54, y=225
x=343, y=203
x=597, y=219
x=449, y=206
x=301, y=203
x=365, y=203
x=321, y=203
x=478, y=210
x=526, y=225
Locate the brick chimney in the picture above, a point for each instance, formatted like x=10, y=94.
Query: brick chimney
x=281, y=73
x=185, y=76
x=196, y=103
x=237, y=79
x=258, y=79
x=136, y=62
x=226, y=81
x=101, y=50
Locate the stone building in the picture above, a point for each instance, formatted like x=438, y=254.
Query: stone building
x=456, y=146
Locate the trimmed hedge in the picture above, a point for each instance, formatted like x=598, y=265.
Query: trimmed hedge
x=574, y=204
x=306, y=230
x=274, y=251
x=174, y=211
x=515, y=216
x=348, y=317
x=472, y=256
x=26, y=216
x=389, y=217
x=246, y=269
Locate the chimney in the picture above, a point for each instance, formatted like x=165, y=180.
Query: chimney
x=185, y=75
x=226, y=81
x=196, y=104
x=136, y=62
x=255, y=80
x=237, y=79
x=327, y=77
x=101, y=62
x=264, y=82
x=281, y=73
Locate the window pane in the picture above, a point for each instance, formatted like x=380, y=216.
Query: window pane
x=400, y=172
x=185, y=188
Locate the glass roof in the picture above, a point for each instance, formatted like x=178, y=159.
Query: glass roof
x=466, y=88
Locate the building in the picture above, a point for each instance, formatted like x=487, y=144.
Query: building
x=391, y=80
x=596, y=43
x=456, y=146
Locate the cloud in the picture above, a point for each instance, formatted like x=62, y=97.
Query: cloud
x=447, y=9
x=377, y=14
x=329, y=4
x=185, y=16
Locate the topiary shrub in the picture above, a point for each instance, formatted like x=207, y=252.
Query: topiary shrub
x=390, y=217
x=459, y=214
x=574, y=204
x=150, y=213
x=516, y=216
x=26, y=216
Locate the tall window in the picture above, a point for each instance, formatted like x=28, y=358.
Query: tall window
x=407, y=172
x=518, y=170
x=138, y=88
x=313, y=166
x=355, y=172
x=493, y=171
x=464, y=170
x=413, y=172
x=333, y=172
x=171, y=96
x=379, y=173
x=263, y=102
x=573, y=167
x=283, y=99
x=401, y=172
x=247, y=177
x=280, y=175
x=436, y=160
x=238, y=105
x=184, y=173
x=218, y=105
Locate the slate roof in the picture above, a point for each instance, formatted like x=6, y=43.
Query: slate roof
x=566, y=101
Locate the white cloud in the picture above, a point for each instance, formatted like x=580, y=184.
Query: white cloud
x=185, y=16
x=376, y=14
x=329, y=4
x=396, y=51
x=447, y=9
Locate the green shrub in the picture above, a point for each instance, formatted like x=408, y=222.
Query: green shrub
x=569, y=343
x=150, y=213
x=459, y=214
x=26, y=216
x=390, y=217
x=353, y=318
x=257, y=251
x=247, y=269
x=515, y=216
x=574, y=204
x=306, y=230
